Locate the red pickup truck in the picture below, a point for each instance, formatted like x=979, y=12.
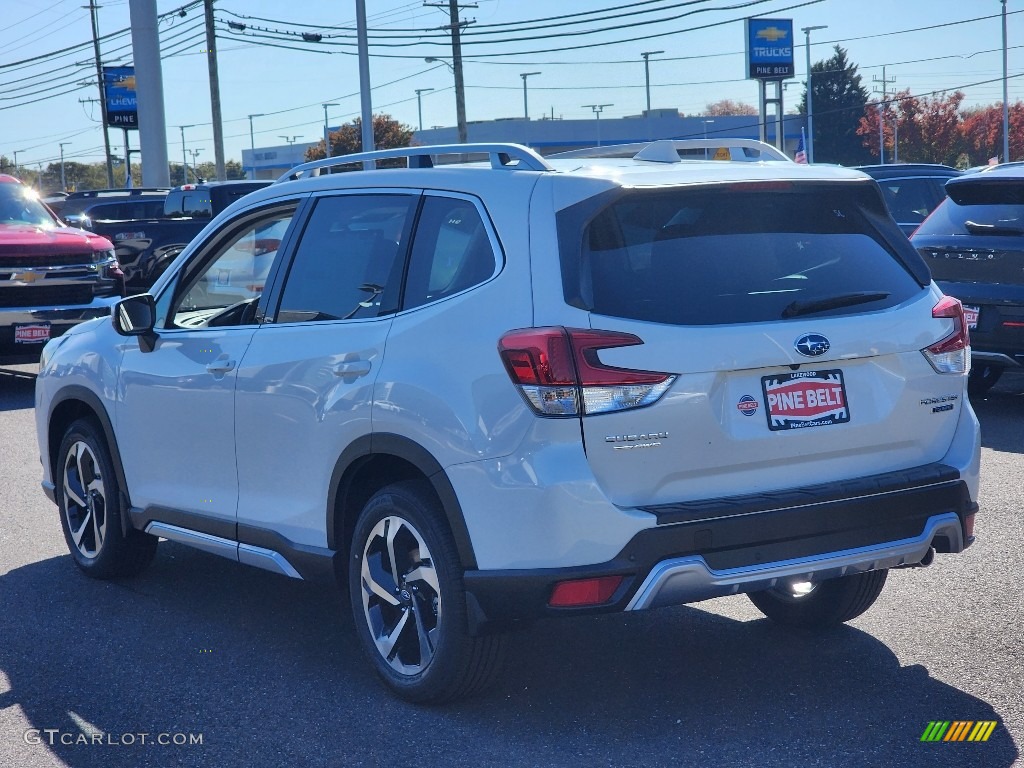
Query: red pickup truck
x=51, y=276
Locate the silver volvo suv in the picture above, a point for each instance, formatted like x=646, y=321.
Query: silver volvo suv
x=505, y=387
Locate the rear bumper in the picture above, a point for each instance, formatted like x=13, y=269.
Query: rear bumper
x=744, y=544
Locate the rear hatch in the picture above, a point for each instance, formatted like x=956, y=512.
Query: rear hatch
x=789, y=320
x=977, y=234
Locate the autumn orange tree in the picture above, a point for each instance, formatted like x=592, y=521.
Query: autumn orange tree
x=388, y=133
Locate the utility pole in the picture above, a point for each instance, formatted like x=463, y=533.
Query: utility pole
x=647, y=74
x=184, y=162
x=93, y=8
x=881, y=114
x=211, y=60
x=327, y=129
x=455, y=27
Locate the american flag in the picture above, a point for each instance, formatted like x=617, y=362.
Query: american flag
x=801, y=152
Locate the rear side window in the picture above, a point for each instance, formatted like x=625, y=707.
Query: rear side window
x=738, y=253
x=347, y=264
x=451, y=251
x=911, y=200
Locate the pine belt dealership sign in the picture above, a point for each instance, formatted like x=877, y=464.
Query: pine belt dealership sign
x=770, y=49
x=119, y=93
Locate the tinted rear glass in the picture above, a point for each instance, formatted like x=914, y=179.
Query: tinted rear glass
x=735, y=254
x=978, y=209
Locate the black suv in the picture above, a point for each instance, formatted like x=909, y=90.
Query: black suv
x=911, y=190
x=974, y=244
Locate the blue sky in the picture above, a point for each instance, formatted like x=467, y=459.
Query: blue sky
x=289, y=84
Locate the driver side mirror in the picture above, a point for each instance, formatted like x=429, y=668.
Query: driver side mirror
x=136, y=316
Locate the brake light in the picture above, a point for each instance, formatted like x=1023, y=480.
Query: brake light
x=952, y=353
x=558, y=372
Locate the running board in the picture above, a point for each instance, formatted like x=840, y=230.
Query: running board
x=246, y=554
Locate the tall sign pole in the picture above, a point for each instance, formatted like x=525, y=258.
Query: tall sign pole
x=769, y=59
x=366, y=103
x=150, y=93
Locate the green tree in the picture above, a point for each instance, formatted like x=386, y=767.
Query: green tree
x=388, y=133
x=838, y=100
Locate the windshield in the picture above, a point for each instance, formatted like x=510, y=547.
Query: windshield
x=19, y=205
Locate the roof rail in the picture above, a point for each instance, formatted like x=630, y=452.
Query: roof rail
x=667, y=150
x=508, y=156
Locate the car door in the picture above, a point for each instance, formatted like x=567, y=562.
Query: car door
x=175, y=403
x=305, y=385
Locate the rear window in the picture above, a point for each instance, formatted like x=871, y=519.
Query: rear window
x=978, y=208
x=739, y=253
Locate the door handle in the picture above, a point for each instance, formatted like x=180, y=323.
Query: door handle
x=352, y=368
x=221, y=366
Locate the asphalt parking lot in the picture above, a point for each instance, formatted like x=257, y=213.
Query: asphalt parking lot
x=234, y=666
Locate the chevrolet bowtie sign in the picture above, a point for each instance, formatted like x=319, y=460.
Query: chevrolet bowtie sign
x=770, y=49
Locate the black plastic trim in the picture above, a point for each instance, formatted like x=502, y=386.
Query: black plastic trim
x=388, y=444
x=215, y=526
x=806, y=528
x=92, y=401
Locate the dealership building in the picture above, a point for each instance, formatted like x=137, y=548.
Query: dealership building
x=548, y=136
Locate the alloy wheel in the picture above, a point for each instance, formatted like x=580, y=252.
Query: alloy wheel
x=401, y=595
x=85, y=500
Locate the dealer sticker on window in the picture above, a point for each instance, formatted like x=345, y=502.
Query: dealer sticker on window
x=805, y=399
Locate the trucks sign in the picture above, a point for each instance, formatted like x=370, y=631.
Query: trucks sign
x=119, y=94
x=770, y=49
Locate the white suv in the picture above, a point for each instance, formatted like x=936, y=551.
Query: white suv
x=488, y=392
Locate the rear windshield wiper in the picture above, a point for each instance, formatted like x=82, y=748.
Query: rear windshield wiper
x=991, y=229
x=832, y=302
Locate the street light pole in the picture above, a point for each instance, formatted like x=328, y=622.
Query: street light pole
x=195, y=162
x=252, y=140
x=810, y=92
x=1006, y=105
x=419, y=104
x=598, y=108
x=705, y=126
x=63, y=181
x=184, y=162
x=327, y=129
x=526, y=107
x=647, y=74
x=16, y=161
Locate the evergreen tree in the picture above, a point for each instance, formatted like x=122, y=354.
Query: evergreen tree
x=839, y=100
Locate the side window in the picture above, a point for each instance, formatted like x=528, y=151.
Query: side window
x=222, y=285
x=348, y=263
x=450, y=253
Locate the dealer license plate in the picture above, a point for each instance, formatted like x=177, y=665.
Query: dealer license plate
x=31, y=333
x=971, y=315
x=803, y=399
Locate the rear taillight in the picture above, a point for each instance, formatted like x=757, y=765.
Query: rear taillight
x=559, y=373
x=951, y=354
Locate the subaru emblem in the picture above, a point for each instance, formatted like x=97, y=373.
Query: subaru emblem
x=812, y=345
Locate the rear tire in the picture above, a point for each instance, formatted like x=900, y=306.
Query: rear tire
x=408, y=601
x=982, y=378
x=89, y=499
x=824, y=604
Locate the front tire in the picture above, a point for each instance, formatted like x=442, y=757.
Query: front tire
x=408, y=602
x=823, y=604
x=89, y=499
